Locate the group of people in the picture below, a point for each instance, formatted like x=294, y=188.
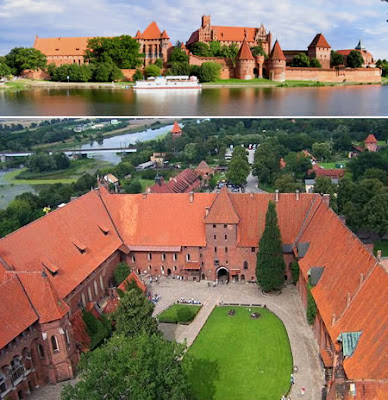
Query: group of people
x=189, y=301
x=292, y=380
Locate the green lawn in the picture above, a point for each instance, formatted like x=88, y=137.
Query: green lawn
x=240, y=358
x=233, y=81
x=173, y=313
x=383, y=246
x=331, y=165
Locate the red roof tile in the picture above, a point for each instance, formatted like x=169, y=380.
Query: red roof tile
x=165, y=35
x=133, y=277
x=245, y=52
x=152, y=31
x=222, y=210
x=138, y=35
x=176, y=128
x=277, y=52
x=62, y=46
x=319, y=41
x=371, y=139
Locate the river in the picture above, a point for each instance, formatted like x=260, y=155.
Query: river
x=357, y=100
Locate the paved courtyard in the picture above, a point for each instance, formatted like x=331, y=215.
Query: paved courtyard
x=287, y=306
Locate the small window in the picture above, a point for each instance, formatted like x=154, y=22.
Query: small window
x=226, y=237
x=226, y=249
x=215, y=249
x=101, y=283
x=95, y=288
x=162, y=268
x=149, y=256
x=133, y=259
x=216, y=262
x=175, y=256
x=40, y=351
x=187, y=257
x=90, y=297
x=83, y=299
x=175, y=268
x=214, y=225
x=149, y=267
x=225, y=226
x=215, y=237
x=245, y=264
x=67, y=336
x=163, y=256
x=253, y=249
x=54, y=344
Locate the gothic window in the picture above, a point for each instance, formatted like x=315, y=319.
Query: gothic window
x=54, y=344
x=101, y=283
x=226, y=249
x=90, y=294
x=133, y=259
x=215, y=237
x=149, y=256
x=17, y=369
x=40, y=351
x=67, y=336
x=163, y=256
x=226, y=237
x=95, y=288
x=245, y=264
x=187, y=257
x=215, y=249
x=3, y=385
x=175, y=256
x=83, y=299
x=174, y=267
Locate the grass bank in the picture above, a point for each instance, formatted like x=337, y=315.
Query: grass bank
x=239, y=357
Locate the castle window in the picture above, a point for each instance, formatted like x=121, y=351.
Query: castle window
x=245, y=264
x=149, y=256
x=133, y=259
x=90, y=297
x=175, y=257
x=95, y=288
x=226, y=249
x=187, y=257
x=149, y=267
x=101, y=283
x=3, y=385
x=54, y=344
x=40, y=351
x=175, y=268
x=253, y=249
x=67, y=336
x=215, y=249
x=83, y=299
x=163, y=256
x=162, y=268
x=216, y=262
x=225, y=226
x=214, y=225
x=215, y=237
x=226, y=237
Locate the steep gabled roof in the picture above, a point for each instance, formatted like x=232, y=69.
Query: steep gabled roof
x=176, y=128
x=277, y=52
x=165, y=35
x=319, y=41
x=245, y=52
x=371, y=139
x=138, y=35
x=152, y=31
x=222, y=210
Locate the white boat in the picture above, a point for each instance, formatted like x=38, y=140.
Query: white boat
x=169, y=82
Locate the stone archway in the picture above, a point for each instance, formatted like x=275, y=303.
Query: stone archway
x=223, y=275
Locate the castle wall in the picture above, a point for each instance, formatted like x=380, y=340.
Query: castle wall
x=358, y=75
x=227, y=69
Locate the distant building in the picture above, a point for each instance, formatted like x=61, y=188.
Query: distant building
x=158, y=158
x=176, y=131
x=185, y=182
x=367, y=57
x=309, y=184
x=370, y=143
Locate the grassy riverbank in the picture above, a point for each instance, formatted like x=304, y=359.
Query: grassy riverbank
x=77, y=167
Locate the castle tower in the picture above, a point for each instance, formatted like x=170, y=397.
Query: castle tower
x=176, y=131
x=321, y=50
x=205, y=21
x=277, y=64
x=245, y=62
x=370, y=143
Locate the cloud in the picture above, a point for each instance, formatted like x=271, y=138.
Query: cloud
x=293, y=22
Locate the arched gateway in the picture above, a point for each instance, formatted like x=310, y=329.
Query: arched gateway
x=223, y=275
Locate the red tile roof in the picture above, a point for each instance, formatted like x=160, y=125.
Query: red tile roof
x=277, y=52
x=235, y=33
x=152, y=31
x=319, y=41
x=165, y=35
x=81, y=336
x=245, y=52
x=371, y=139
x=16, y=311
x=62, y=46
x=222, y=210
x=133, y=277
x=176, y=128
x=138, y=35
x=186, y=181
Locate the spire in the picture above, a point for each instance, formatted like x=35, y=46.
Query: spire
x=138, y=35
x=277, y=52
x=176, y=128
x=245, y=51
x=360, y=46
x=222, y=210
x=164, y=35
x=320, y=41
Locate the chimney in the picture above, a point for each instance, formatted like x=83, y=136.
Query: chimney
x=348, y=299
x=326, y=199
x=379, y=255
x=207, y=209
x=297, y=194
x=144, y=196
x=332, y=319
x=191, y=197
x=277, y=195
x=361, y=279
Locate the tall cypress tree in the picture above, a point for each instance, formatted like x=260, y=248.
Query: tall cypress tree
x=270, y=264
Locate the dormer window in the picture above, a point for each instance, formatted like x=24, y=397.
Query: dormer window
x=53, y=269
x=104, y=229
x=80, y=246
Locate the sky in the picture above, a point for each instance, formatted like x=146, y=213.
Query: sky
x=293, y=22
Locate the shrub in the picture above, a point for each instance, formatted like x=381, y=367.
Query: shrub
x=311, y=311
x=98, y=329
x=209, y=71
x=152, y=70
x=120, y=273
x=184, y=314
x=138, y=75
x=295, y=272
x=159, y=63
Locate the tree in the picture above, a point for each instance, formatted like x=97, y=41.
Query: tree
x=179, y=68
x=215, y=48
x=336, y=59
x=270, y=263
x=107, y=72
x=134, y=315
x=201, y=49
x=137, y=76
x=323, y=185
x=159, y=63
x=120, y=273
x=258, y=51
x=376, y=215
x=178, y=55
x=300, y=60
x=286, y=184
x=137, y=368
x=238, y=170
x=121, y=50
x=132, y=186
x=98, y=329
x=4, y=70
x=152, y=70
x=22, y=58
x=210, y=71
x=314, y=63
x=298, y=164
x=230, y=51
x=321, y=151
x=355, y=59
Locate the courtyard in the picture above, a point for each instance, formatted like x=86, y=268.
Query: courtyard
x=241, y=353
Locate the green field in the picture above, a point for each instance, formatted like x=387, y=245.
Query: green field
x=240, y=358
x=383, y=246
x=172, y=314
x=69, y=175
x=239, y=82
x=331, y=165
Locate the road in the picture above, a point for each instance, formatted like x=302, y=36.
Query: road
x=252, y=181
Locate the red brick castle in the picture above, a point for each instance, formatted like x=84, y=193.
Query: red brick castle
x=62, y=263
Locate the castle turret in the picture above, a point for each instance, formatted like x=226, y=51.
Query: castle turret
x=277, y=64
x=245, y=62
x=321, y=50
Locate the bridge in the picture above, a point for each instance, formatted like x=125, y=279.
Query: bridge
x=71, y=152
